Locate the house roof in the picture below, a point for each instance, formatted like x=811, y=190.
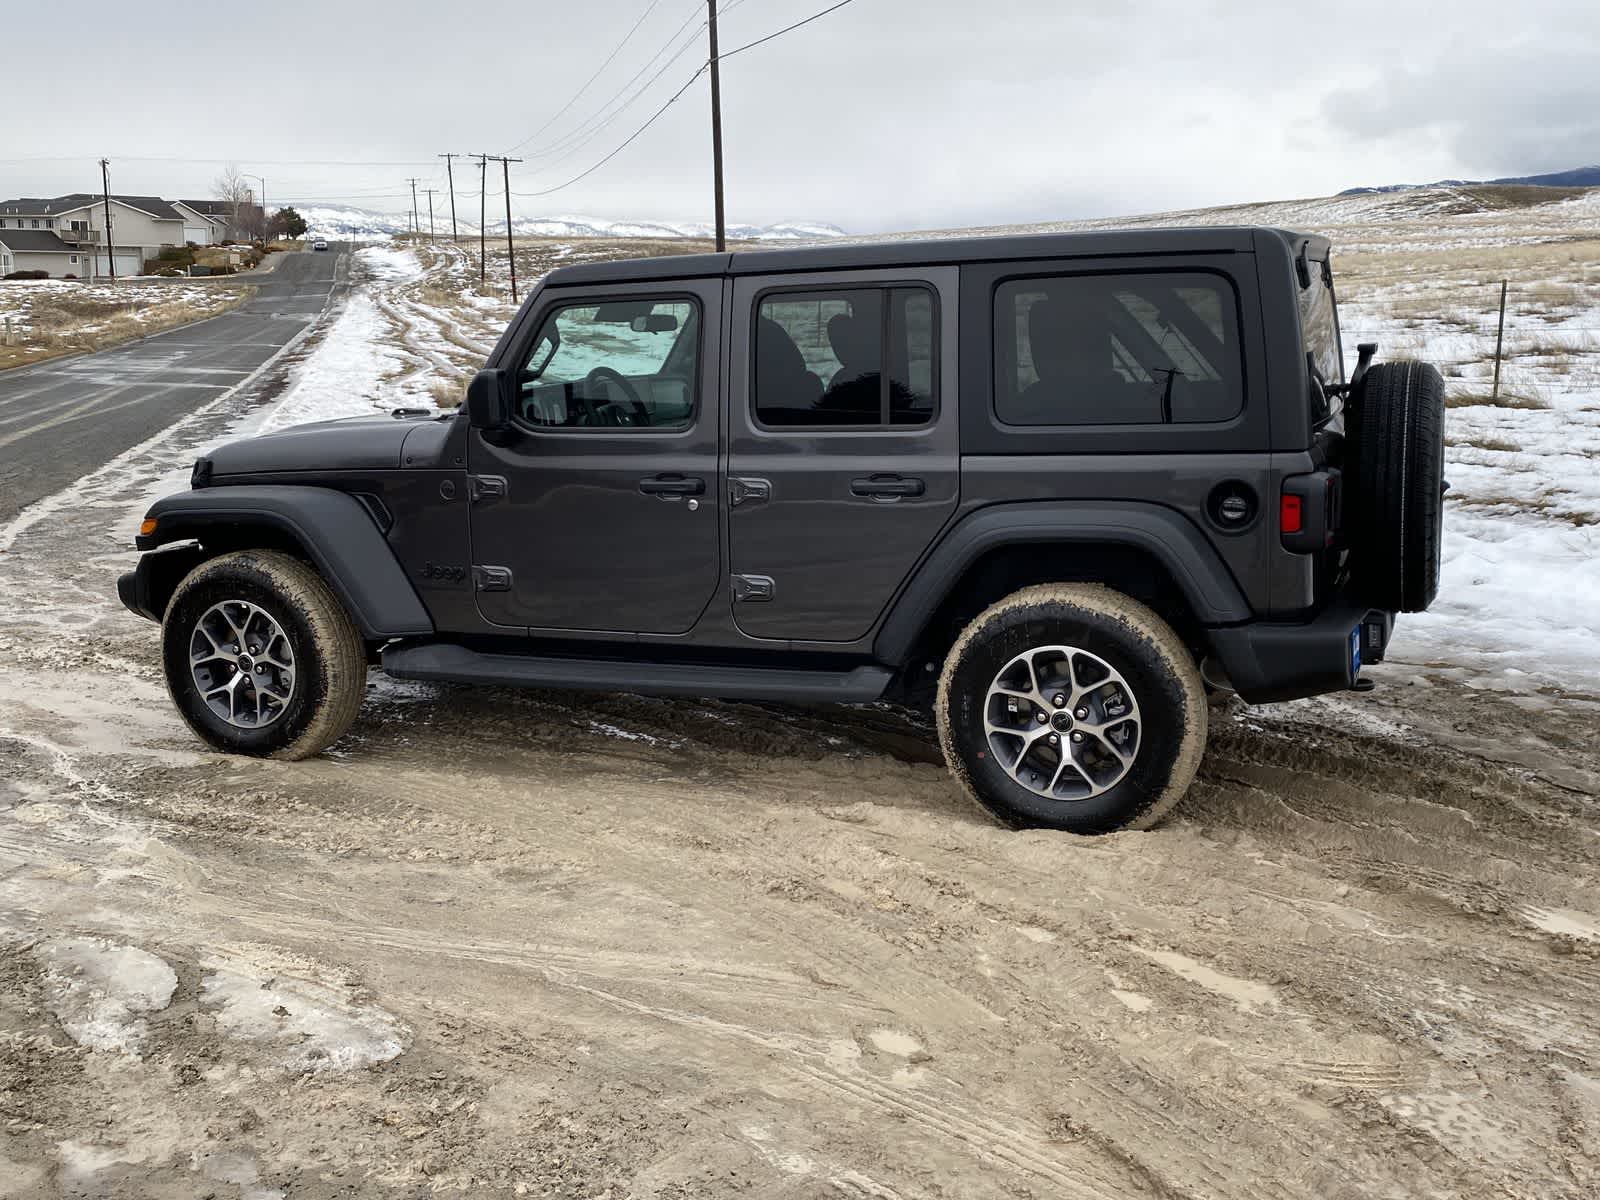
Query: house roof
x=153, y=206
x=208, y=208
x=34, y=241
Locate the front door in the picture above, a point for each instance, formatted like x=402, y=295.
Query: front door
x=843, y=444
x=599, y=510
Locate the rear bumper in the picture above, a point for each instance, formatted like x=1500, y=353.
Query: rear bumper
x=1271, y=661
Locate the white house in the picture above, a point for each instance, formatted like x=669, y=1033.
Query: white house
x=207, y=222
x=41, y=250
x=140, y=227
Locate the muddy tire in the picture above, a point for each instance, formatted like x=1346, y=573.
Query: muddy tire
x=1079, y=669
x=261, y=658
x=1395, y=486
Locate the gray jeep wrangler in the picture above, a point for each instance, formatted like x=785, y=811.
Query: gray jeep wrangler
x=1055, y=487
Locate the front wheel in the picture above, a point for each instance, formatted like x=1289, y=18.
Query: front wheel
x=1072, y=707
x=260, y=656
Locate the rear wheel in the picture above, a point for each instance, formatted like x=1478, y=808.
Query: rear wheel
x=1072, y=707
x=260, y=657
x=1395, y=484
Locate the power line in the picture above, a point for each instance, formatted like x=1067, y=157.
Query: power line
x=653, y=116
x=266, y=162
x=591, y=126
x=703, y=68
x=650, y=8
x=813, y=17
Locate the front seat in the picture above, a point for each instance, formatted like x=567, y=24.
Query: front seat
x=1070, y=341
x=784, y=387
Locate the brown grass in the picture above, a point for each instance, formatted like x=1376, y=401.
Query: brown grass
x=448, y=393
x=1485, y=443
x=60, y=325
x=1506, y=399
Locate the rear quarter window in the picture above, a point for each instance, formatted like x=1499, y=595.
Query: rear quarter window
x=1117, y=349
x=1319, y=326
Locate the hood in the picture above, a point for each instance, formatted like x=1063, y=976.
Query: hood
x=351, y=444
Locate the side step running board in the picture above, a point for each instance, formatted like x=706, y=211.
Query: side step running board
x=456, y=664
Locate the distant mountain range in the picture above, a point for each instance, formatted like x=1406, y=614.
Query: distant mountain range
x=354, y=224
x=1577, y=177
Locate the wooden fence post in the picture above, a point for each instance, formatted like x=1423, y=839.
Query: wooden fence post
x=1499, y=340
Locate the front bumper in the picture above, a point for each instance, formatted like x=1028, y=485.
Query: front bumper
x=1270, y=661
x=145, y=590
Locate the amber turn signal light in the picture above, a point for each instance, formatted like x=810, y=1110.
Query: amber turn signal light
x=147, y=527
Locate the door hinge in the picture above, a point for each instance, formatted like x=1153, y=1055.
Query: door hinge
x=754, y=588
x=492, y=579
x=746, y=490
x=486, y=487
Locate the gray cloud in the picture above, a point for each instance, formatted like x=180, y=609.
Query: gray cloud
x=886, y=114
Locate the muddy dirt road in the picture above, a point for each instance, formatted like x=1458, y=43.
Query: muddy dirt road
x=504, y=944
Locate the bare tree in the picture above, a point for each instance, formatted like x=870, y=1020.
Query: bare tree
x=231, y=188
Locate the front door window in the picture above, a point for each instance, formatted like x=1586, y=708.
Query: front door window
x=624, y=364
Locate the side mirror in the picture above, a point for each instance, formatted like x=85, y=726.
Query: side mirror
x=489, y=400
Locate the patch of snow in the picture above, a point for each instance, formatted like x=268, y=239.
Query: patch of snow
x=627, y=735
x=99, y=991
x=307, y=1024
x=81, y=1161
x=349, y=373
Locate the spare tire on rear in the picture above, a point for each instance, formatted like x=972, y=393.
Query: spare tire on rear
x=1394, y=485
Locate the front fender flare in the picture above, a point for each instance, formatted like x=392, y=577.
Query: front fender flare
x=336, y=532
x=1166, y=534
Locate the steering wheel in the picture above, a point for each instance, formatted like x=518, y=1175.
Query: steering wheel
x=607, y=375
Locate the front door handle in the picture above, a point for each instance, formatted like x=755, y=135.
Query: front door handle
x=886, y=487
x=672, y=485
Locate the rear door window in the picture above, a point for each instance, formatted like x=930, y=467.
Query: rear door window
x=845, y=358
x=1117, y=349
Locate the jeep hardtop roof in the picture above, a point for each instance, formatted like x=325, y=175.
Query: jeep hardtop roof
x=833, y=256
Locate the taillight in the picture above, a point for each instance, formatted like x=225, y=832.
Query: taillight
x=1308, y=511
x=1289, y=514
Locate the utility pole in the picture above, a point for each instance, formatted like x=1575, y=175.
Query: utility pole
x=264, y=218
x=716, y=124
x=430, y=192
x=511, y=246
x=416, y=222
x=105, y=191
x=483, y=216
x=451, y=176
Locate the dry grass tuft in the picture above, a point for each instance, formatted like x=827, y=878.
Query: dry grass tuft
x=1506, y=399
x=1484, y=442
x=448, y=393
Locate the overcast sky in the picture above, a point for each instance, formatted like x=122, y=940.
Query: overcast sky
x=888, y=114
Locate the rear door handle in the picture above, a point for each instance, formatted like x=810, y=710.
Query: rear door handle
x=672, y=485
x=886, y=487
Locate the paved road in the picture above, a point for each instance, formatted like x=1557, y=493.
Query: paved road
x=61, y=419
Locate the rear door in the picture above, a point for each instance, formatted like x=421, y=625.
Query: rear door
x=843, y=454
x=599, y=509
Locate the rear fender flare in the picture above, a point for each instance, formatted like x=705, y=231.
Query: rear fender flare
x=335, y=531
x=1167, y=535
